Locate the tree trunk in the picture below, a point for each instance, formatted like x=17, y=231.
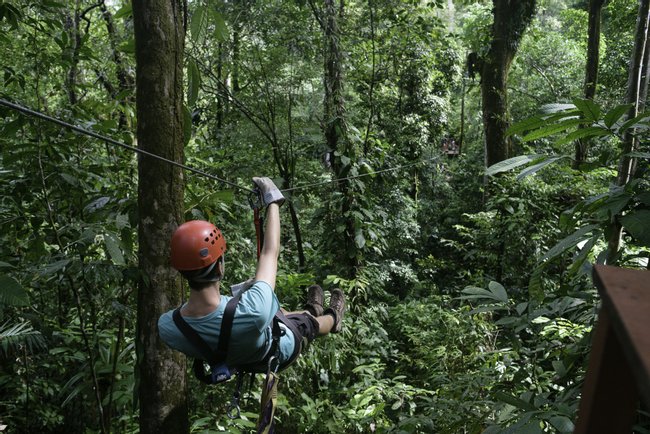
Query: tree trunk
x=636, y=88
x=591, y=70
x=160, y=36
x=335, y=130
x=511, y=18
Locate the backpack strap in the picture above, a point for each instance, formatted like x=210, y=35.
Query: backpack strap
x=216, y=359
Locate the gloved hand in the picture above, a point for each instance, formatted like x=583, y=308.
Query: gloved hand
x=270, y=193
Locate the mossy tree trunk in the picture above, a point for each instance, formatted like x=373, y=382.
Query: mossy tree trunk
x=160, y=36
x=511, y=18
x=591, y=70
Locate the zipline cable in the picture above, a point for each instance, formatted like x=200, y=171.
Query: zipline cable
x=348, y=178
x=80, y=130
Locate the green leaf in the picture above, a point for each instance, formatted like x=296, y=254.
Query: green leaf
x=113, y=248
x=583, y=133
x=359, y=240
x=631, y=122
x=499, y=291
x=124, y=12
x=562, y=424
x=511, y=163
x=556, y=107
x=128, y=46
x=637, y=223
x=568, y=242
x=193, y=83
x=53, y=267
x=514, y=401
x=220, y=28
x=528, y=124
x=615, y=114
x=549, y=130
x=638, y=154
x=531, y=170
x=590, y=109
x=12, y=293
x=187, y=125
x=199, y=25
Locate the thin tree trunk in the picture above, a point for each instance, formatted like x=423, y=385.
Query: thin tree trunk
x=160, y=36
x=636, y=87
x=591, y=70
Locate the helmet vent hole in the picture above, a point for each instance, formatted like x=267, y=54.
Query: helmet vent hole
x=207, y=239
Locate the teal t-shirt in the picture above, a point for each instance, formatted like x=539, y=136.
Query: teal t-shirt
x=250, y=338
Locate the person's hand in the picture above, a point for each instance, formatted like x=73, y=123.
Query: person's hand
x=269, y=192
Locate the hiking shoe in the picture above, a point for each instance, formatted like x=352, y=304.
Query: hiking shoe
x=315, y=298
x=336, y=309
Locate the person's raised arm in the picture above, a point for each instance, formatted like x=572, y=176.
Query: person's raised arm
x=267, y=265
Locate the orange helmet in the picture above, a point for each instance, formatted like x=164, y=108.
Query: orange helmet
x=195, y=245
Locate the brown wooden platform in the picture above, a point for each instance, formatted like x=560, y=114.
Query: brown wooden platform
x=618, y=374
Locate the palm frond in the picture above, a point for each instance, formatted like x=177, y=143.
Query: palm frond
x=21, y=334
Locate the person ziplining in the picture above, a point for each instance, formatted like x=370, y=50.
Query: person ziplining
x=247, y=332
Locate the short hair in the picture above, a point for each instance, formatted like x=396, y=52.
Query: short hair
x=204, y=277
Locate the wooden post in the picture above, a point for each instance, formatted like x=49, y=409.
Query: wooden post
x=619, y=363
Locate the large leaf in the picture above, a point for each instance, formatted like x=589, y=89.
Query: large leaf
x=124, y=12
x=562, y=424
x=556, y=107
x=536, y=167
x=583, y=133
x=511, y=163
x=193, y=82
x=14, y=337
x=498, y=291
x=12, y=293
x=637, y=223
x=639, y=154
x=541, y=120
x=220, y=27
x=570, y=241
x=589, y=109
x=54, y=267
x=549, y=130
x=514, y=401
x=187, y=125
x=631, y=122
x=615, y=114
x=199, y=24
x=114, y=250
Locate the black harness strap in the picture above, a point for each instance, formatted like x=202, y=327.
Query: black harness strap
x=217, y=358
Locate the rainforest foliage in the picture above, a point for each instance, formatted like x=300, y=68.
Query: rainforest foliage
x=469, y=287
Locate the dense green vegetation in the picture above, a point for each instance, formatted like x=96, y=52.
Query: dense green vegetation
x=469, y=289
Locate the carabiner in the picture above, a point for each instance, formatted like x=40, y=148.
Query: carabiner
x=233, y=410
x=255, y=199
x=274, y=364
